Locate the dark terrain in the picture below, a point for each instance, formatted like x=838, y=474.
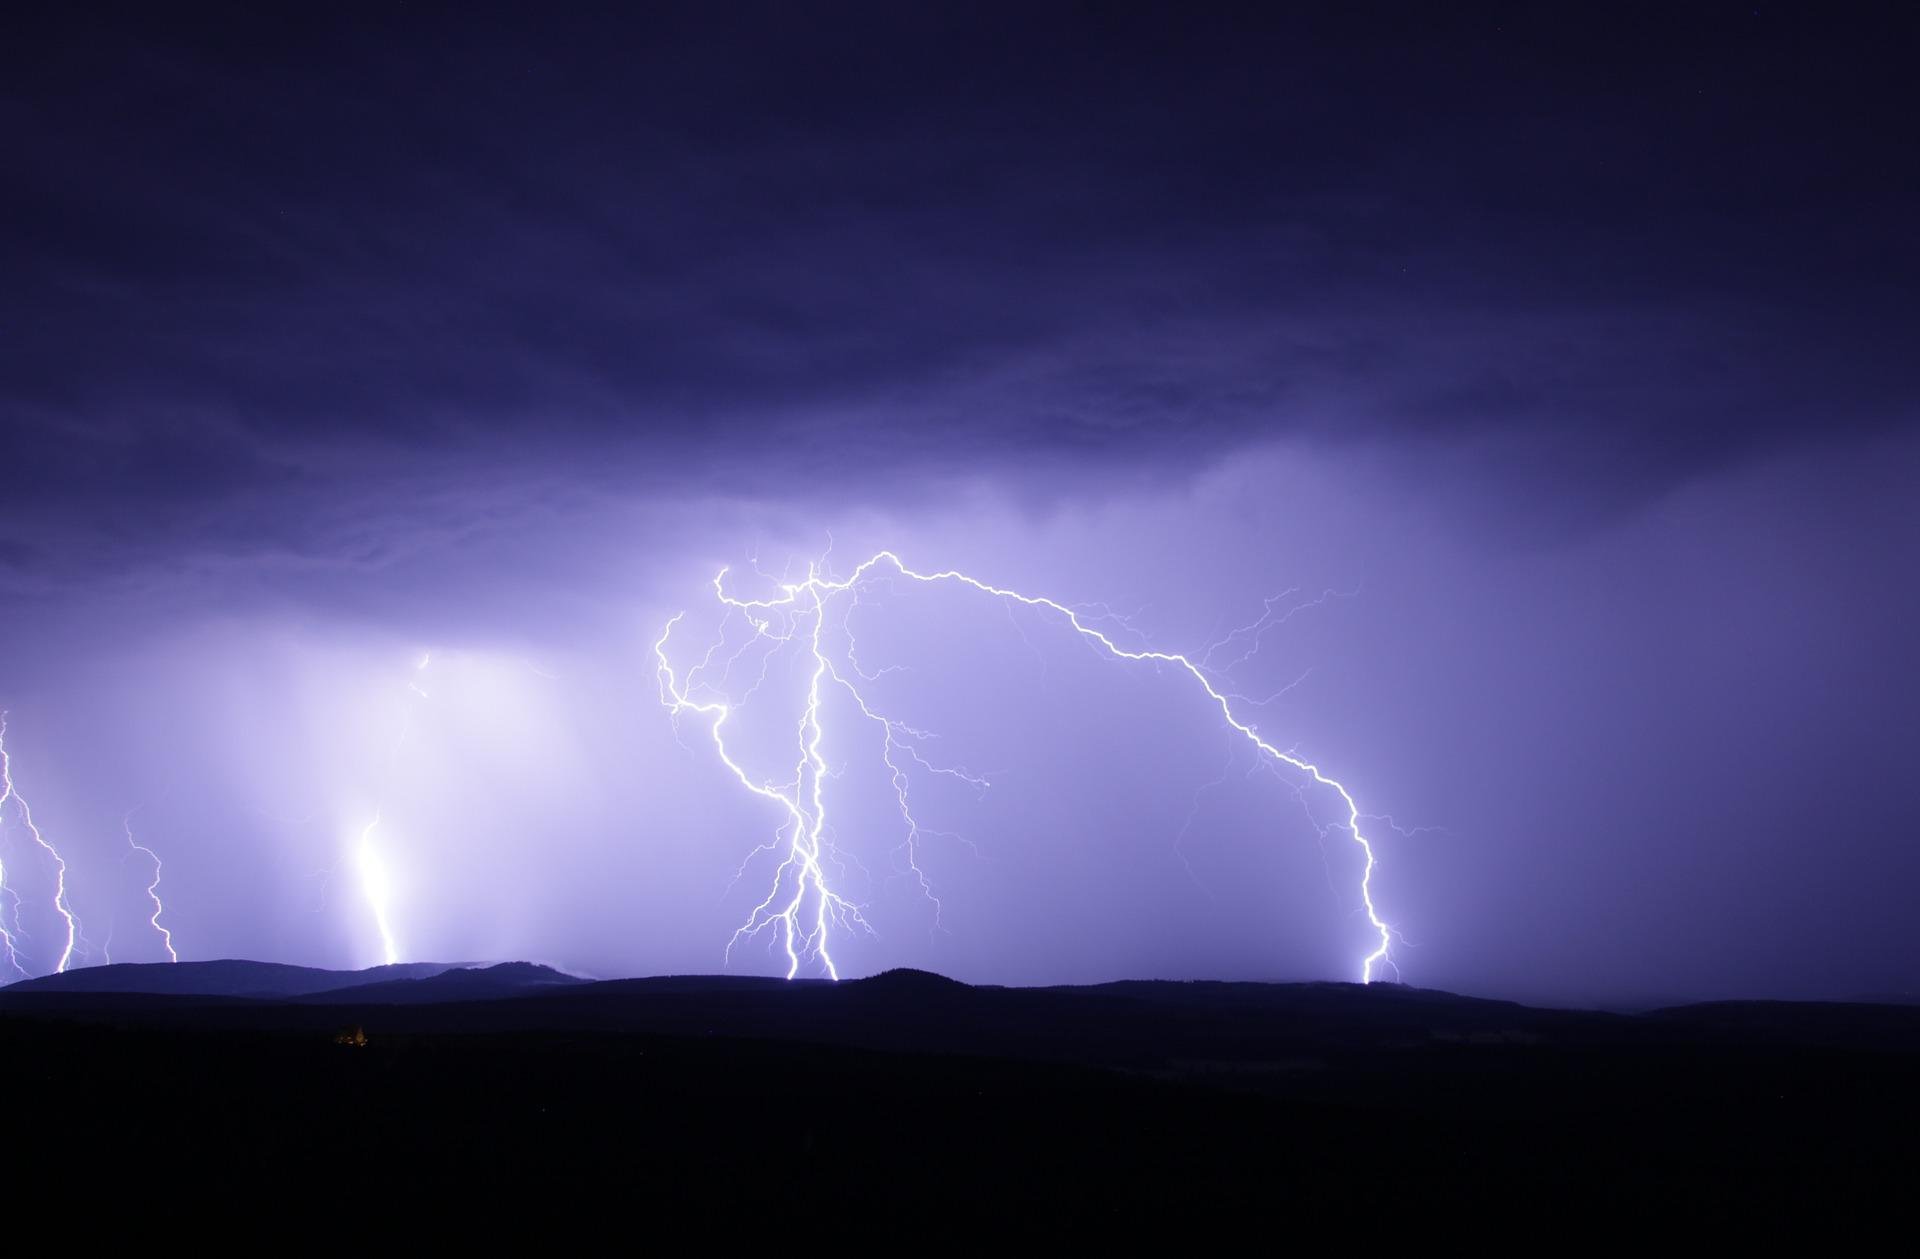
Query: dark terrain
x=730, y=1103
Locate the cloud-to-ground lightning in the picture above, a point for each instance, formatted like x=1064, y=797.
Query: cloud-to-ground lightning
x=9, y=794
x=153, y=889
x=803, y=932
x=803, y=905
x=370, y=863
x=377, y=888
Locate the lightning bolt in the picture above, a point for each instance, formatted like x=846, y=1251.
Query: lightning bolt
x=801, y=901
x=376, y=887
x=8, y=934
x=803, y=904
x=10, y=794
x=376, y=884
x=153, y=889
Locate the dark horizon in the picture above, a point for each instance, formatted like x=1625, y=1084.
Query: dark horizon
x=378, y=385
x=138, y=978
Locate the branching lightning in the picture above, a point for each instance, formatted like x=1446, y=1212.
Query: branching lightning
x=801, y=901
x=803, y=905
x=9, y=794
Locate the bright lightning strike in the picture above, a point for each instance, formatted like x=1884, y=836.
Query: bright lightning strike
x=10, y=794
x=802, y=905
x=801, y=902
x=153, y=889
x=376, y=881
x=377, y=888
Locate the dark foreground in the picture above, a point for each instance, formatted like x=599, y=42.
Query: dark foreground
x=909, y=1102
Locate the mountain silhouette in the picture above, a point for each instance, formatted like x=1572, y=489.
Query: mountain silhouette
x=460, y=983
x=230, y=977
x=517, y=1083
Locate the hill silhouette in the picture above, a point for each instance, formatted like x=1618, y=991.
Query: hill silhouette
x=907, y=981
x=1159, y=1025
x=459, y=983
x=482, y=1087
x=230, y=977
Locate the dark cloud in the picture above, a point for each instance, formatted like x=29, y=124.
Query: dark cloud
x=255, y=255
x=1576, y=340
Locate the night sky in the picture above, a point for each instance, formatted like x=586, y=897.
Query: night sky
x=1562, y=359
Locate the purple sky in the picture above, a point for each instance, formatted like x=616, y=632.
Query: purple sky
x=1576, y=348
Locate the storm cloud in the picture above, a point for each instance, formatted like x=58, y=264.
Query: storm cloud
x=1576, y=346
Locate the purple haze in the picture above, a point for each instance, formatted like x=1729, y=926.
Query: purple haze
x=332, y=348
